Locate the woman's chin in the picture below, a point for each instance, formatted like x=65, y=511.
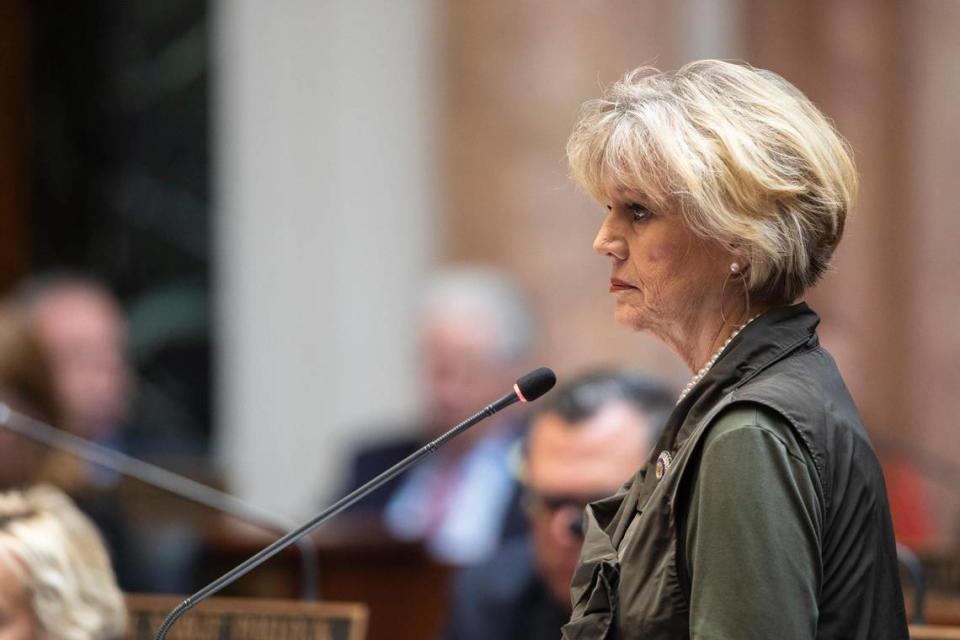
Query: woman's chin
x=630, y=318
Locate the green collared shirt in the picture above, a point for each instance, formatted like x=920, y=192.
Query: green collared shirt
x=751, y=535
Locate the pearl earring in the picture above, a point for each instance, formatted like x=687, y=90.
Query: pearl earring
x=734, y=268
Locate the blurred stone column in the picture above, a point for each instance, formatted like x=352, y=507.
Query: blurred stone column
x=324, y=178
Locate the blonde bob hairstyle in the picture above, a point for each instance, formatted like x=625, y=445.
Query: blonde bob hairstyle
x=62, y=563
x=739, y=152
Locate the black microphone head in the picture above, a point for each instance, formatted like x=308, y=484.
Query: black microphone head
x=535, y=384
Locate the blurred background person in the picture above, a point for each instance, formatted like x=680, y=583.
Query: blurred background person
x=475, y=335
x=56, y=581
x=85, y=331
x=584, y=443
x=82, y=330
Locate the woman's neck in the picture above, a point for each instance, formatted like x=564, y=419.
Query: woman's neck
x=698, y=338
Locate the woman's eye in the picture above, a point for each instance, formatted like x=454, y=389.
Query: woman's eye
x=638, y=211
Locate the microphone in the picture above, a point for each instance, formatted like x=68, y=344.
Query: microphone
x=160, y=478
x=527, y=389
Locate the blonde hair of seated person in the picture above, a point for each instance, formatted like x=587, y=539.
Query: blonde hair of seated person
x=56, y=581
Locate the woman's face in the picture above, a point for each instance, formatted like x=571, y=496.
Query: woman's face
x=17, y=621
x=664, y=278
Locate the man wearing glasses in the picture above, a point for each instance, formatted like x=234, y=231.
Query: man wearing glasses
x=583, y=444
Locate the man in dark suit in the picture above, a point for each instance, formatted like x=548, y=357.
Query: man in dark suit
x=583, y=444
x=463, y=501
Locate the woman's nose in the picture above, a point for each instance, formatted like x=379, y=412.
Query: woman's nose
x=608, y=242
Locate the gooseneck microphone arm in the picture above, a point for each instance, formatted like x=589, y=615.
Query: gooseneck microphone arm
x=528, y=388
x=158, y=477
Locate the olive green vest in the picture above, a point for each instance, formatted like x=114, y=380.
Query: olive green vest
x=631, y=583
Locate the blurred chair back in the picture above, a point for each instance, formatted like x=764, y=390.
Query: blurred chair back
x=248, y=619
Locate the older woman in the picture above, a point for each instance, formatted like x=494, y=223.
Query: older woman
x=762, y=512
x=56, y=582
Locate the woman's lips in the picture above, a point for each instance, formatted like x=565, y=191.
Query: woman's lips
x=617, y=284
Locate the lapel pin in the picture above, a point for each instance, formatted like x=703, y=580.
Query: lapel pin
x=663, y=464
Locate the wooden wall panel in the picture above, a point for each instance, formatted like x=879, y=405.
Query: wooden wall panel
x=515, y=75
x=840, y=54
x=888, y=73
x=927, y=229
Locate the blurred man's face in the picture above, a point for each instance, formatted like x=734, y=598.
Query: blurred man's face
x=462, y=370
x=83, y=334
x=567, y=467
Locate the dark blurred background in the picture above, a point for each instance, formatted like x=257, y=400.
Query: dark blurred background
x=115, y=180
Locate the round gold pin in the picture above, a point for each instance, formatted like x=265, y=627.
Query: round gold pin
x=663, y=464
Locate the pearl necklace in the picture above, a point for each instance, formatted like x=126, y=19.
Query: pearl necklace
x=706, y=368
